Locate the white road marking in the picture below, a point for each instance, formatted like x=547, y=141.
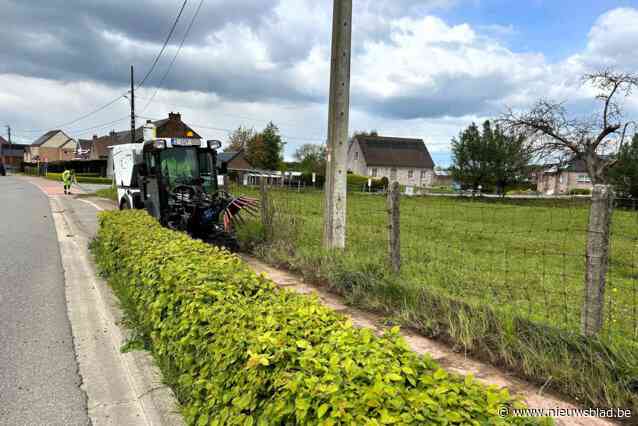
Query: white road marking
x=98, y=208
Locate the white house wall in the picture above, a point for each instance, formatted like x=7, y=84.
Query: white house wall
x=356, y=161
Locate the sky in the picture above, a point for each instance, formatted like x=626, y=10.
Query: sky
x=420, y=68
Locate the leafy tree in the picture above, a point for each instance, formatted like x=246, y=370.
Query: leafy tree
x=239, y=138
x=470, y=158
x=489, y=157
x=509, y=157
x=311, y=158
x=624, y=174
x=265, y=150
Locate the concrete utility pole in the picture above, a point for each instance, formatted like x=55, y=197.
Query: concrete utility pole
x=132, y=105
x=334, y=233
x=9, y=133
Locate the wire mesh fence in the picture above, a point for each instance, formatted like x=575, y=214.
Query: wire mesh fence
x=521, y=257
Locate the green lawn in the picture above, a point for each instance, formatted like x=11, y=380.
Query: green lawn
x=525, y=257
x=501, y=278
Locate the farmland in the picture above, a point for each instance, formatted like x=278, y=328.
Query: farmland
x=473, y=272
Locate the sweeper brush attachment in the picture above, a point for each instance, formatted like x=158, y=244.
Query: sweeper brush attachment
x=232, y=211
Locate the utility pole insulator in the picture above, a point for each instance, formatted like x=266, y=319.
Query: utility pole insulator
x=334, y=235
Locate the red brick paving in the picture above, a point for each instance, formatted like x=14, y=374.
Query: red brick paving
x=50, y=187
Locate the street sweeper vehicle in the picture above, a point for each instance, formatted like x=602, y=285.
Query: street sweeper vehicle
x=176, y=181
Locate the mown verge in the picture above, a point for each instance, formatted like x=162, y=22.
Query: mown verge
x=241, y=351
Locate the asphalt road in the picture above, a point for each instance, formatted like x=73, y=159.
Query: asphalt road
x=39, y=380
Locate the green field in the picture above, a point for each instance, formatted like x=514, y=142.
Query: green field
x=475, y=271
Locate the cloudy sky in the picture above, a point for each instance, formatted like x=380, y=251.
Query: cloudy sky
x=421, y=68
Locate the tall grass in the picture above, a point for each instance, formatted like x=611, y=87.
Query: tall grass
x=500, y=279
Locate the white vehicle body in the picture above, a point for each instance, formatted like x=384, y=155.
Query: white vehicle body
x=125, y=157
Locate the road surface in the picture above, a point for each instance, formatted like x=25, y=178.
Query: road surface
x=39, y=380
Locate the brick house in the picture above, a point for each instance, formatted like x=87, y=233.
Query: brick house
x=54, y=145
x=404, y=160
x=11, y=154
x=561, y=179
x=97, y=148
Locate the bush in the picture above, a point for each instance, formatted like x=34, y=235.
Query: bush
x=81, y=178
x=580, y=191
x=357, y=183
x=242, y=351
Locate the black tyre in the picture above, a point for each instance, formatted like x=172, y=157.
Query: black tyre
x=125, y=204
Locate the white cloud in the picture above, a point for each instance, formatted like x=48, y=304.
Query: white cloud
x=414, y=74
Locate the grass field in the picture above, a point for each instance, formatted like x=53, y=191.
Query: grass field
x=501, y=278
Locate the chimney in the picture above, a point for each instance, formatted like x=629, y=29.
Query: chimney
x=174, y=116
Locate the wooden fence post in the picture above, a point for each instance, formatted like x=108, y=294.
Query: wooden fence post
x=226, y=185
x=394, y=227
x=266, y=216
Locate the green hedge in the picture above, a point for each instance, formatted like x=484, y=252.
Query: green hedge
x=244, y=352
x=357, y=183
x=580, y=191
x=81, y=179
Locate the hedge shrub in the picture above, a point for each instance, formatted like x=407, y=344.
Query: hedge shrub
x=245, y=352
x=81, y=179
x=357, y=183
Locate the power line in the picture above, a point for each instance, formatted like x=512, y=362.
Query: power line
x=221, y=129
x=108, y=104
x=179, y=49
x=60, y=126
x=161, y=52
x=99, y=126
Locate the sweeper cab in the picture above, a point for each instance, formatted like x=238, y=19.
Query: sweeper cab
x=176, y=181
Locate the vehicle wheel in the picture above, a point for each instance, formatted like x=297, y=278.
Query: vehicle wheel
x=125, y=204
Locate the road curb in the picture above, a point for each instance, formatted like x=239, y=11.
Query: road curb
x=122, y=388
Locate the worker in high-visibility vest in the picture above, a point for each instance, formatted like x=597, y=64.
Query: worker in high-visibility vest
x=66, y=179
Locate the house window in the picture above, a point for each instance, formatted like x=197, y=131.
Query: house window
x=374, y=172
x=423, y=174
x=562, y=179
x=410, y=174
x=393, y=174
x=583, y=179
x=356, y=155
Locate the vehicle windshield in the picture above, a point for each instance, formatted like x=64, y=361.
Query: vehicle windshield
x=209, y=177
x=180, y=166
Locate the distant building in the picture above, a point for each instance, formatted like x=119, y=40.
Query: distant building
x=442, y=178
x=557, y=179
x=54, y=145
x=12, y=154
x=97, y=148
x=404, y=160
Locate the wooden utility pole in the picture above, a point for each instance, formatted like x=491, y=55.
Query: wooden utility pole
x=394, y=227
x=132, y=105
x=334, y=233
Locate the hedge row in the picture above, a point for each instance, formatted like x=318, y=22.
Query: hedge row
x=246, y=352
x=81, y=179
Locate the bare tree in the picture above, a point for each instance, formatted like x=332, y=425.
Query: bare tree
x=239, y=138
x=553, y=134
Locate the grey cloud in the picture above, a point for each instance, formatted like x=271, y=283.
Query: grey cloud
x=452, y=95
